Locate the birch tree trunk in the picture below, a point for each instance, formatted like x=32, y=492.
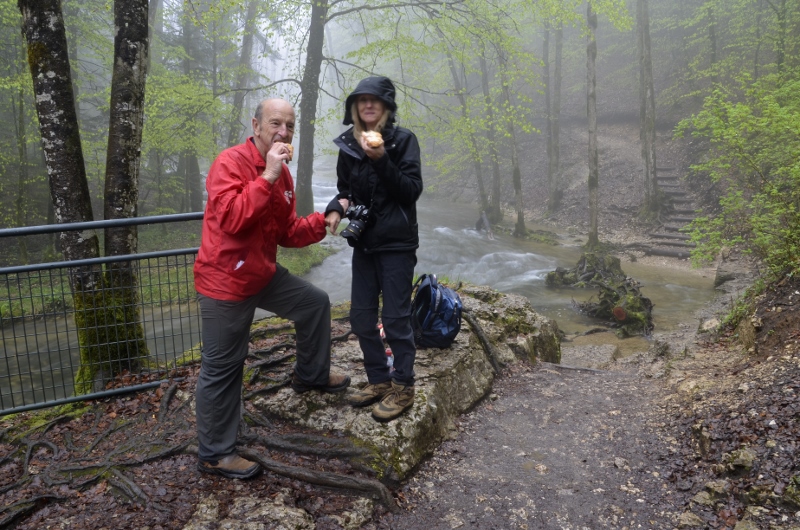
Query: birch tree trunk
x=48, y=59
x=309, y=86
x=591, y=108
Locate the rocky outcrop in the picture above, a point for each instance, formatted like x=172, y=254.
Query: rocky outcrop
x=448, y=383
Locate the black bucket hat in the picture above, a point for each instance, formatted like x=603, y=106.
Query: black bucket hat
x=380, y=87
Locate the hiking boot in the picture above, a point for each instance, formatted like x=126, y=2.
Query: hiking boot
x=369, y=394
x=336, y=383
x=399, y=398
x=231, y=466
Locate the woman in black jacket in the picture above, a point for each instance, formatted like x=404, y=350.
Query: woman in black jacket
x=378, y=190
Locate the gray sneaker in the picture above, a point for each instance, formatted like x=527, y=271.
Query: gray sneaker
x=369, y=394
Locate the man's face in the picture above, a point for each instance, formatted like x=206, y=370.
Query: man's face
x=277, y=124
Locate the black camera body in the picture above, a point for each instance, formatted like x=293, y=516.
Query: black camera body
x=358, y=216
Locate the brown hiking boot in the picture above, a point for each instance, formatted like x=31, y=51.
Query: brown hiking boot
x=336, y=383
x=369, y=394
x=399, y=398
x=231, y=466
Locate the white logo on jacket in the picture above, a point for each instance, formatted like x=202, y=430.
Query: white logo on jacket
x=288, y=195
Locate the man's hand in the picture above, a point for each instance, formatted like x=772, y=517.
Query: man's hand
x=332, y=221
x=276, y=156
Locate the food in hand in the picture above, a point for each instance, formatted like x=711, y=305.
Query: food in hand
x=290, y=147
x=372, y=138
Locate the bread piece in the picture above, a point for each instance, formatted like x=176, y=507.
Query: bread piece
x=290, y=147
x=372, y=138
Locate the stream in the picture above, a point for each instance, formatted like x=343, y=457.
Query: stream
x=451, y=248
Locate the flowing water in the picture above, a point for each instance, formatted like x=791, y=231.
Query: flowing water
x=451, y=247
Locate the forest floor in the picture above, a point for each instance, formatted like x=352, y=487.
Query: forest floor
x=696, y=432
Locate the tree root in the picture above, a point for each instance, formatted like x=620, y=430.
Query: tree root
x=342, y=337
x=307, y=446
x=272, y=349
x=268, y=363
x=371, y=488
x=485, y=342
x=273, y=388
x=260, y=333
x=24, y=507
x=163, y=406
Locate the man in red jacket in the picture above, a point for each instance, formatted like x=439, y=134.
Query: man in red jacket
x=250, y=211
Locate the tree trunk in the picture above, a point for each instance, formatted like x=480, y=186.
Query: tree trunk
x=555, y=117
x=193, y=189
x=309, y=86
x=548, y=111
x=647, y=109
x=235, y=123
x=43, y=26
x=124, y=333
x=48, y=58
x=516, y=175
x=591, y=106
x=475, y=153
x=22, y=162
x=495, y=213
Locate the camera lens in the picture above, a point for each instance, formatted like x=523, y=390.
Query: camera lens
x=354, y=229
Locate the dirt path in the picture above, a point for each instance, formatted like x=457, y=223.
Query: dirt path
x=552, y=448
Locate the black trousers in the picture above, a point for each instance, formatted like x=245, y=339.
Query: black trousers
x=390, y=274
x=226, y=333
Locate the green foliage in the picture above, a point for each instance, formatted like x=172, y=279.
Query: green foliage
x=754, y=140
x=745, y=304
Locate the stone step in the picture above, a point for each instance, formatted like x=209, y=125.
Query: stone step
x=682, y=237
x=672, y=253
x=675, y=193
x=670, y=186
x=667, y=177
x=671, y=228
x=687, y=211
x=680, y=219
x=666, y=168
x=674, y=244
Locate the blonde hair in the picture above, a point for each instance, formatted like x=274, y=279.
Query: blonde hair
x=358, y=125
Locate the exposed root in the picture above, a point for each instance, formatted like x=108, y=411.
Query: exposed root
x=309, y=445
x=485, y=342
x=163, y=406
x=24, y=507
x=361, y=486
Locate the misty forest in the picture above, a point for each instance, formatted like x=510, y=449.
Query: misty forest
x=480, y=83
x=640, y=128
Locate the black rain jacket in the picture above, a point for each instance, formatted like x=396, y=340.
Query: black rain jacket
x=389, y=186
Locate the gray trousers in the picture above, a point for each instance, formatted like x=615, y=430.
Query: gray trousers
x=225, y=336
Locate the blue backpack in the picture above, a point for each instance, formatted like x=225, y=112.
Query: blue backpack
x=435, y=313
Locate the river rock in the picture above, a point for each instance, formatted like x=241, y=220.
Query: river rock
x=448, y=383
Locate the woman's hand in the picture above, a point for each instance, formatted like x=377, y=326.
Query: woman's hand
x=373, y=153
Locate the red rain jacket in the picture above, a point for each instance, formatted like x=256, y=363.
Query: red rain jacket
x=246, y=218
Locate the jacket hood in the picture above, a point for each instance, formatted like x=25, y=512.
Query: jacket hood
x=380, y=87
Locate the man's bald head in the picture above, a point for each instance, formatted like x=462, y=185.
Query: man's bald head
x=273, y=121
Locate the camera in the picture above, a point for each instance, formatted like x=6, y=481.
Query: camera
x=358, y=215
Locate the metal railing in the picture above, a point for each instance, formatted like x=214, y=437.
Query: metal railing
x=40, y=338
